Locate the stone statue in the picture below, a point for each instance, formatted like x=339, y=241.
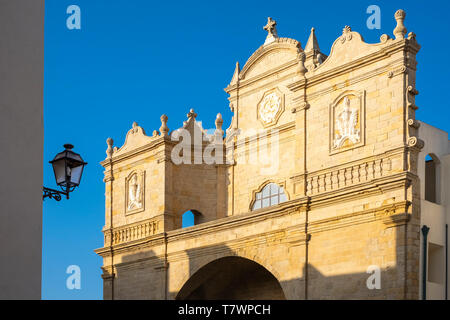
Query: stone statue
x=134, y=194
x=346, y=125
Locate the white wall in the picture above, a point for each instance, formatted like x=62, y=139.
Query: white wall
x=435, y=215
x=21, y=146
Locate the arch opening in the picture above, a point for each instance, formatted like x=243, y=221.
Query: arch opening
x=232, y=278
x=431, y=178
x=190, y=218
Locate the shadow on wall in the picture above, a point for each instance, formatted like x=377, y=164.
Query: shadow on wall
x=232, y=278
x=254, y=271
x=224, y=274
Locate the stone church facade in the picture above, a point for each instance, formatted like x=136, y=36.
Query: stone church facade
x=319, y=188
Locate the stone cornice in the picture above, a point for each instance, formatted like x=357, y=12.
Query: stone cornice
x=294, y=235
x=390, y=214
x=318, y=77
x=148, y=242
x=251, y=217
x=208, y=227
x=156, y=262
x=286, y=127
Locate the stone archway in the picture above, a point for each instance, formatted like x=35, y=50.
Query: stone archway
x=232, y=278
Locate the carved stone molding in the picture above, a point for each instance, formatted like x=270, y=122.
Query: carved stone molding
x=346, y=34
x=396, y=214
x=411, y=91
x=396, y=71
x=301, y=106
x=108, y=272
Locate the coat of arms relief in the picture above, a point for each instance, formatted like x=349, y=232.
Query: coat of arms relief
x=270, y=107
x=347, y=127
x=134, y=192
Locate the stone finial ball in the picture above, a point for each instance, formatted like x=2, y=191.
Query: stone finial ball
x=400, y=14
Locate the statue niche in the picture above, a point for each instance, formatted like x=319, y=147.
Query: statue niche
x=347, y=125
x=347, y=119
x=134, y=192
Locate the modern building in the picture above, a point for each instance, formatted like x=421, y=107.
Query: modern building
x=21, y=145
x=319, y=189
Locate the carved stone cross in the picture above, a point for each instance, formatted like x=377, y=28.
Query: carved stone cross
x=271, y=29
x=191, y=114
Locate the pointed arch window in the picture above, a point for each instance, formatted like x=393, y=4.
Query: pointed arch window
x=271, y=195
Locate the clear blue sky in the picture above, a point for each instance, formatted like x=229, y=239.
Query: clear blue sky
x=134, y=60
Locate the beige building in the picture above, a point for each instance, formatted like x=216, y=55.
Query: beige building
x=318, y=189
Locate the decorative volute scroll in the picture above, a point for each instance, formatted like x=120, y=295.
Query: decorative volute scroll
x=135, y=191
x=270, y=107
x=415, y=142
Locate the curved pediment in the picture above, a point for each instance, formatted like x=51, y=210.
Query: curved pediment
x=270, y=56
x=350, y=47
x=135, y=138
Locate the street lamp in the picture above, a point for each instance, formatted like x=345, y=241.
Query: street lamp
x=68, y=167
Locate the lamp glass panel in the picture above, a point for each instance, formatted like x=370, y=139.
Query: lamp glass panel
x=59, y=168
x=76, y=175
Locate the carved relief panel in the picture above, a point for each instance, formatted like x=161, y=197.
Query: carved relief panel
x=134, y=192
x=270, y=107
x=347, y=121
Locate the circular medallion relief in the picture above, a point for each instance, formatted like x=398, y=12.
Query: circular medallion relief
x=269, y=107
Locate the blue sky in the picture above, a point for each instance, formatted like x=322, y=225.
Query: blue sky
x=134, y=60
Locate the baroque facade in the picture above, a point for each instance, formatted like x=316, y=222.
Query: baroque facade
x=319, y=188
